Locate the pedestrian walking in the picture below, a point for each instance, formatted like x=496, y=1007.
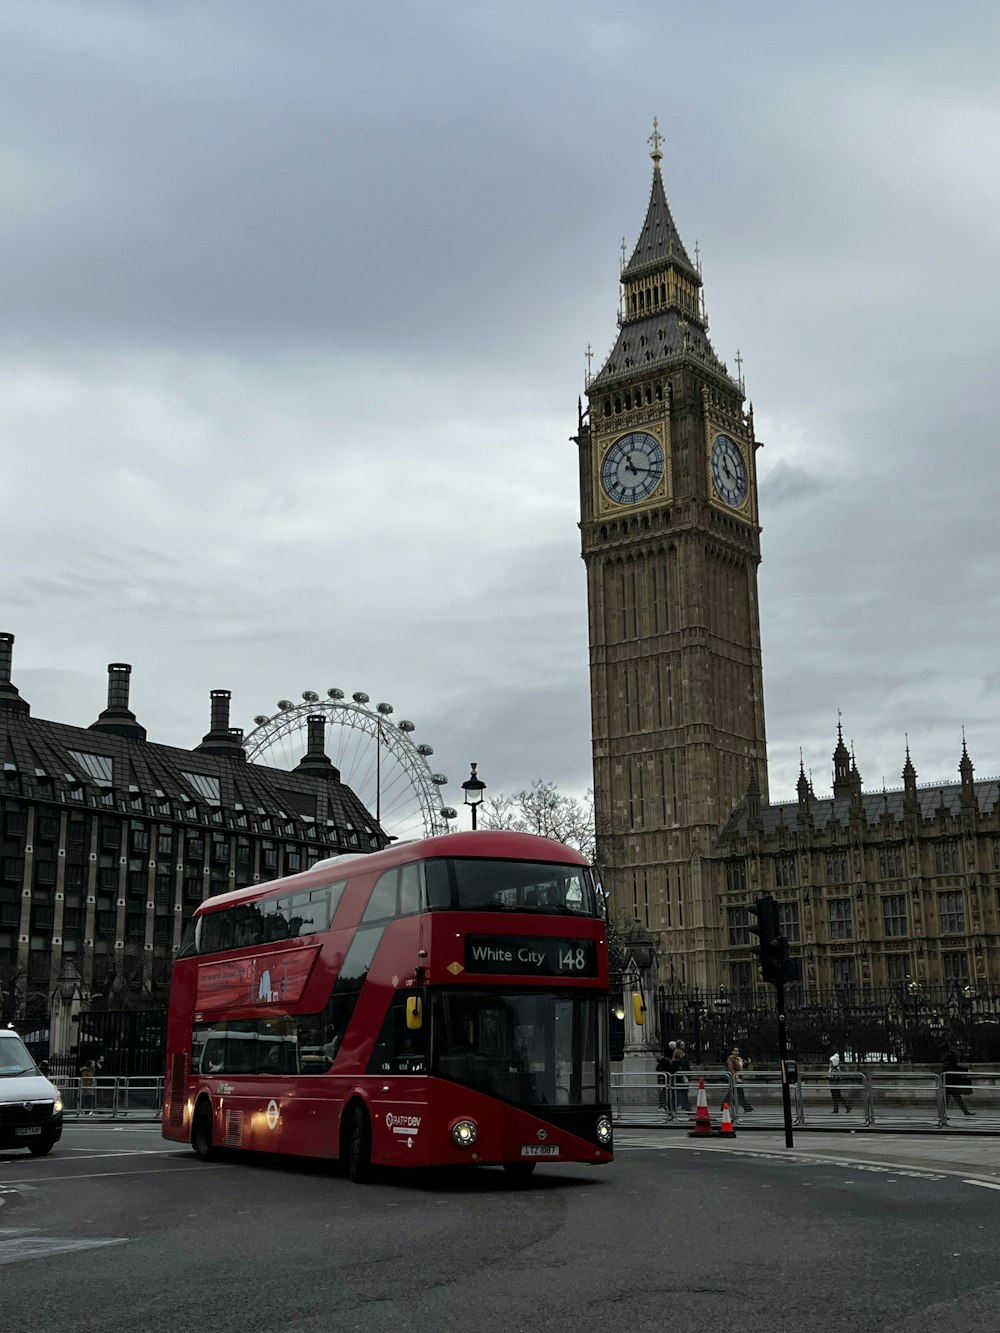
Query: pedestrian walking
x=680, y=1067
x=956, y=1082
x=662, y=1076
x=734, y=1064
x=835, y=1074
x=88, y=1088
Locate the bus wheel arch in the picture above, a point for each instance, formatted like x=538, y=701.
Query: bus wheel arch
x=202, y=1129
x=356, y=1141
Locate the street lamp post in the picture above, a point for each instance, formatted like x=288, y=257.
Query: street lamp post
x=970, y=995
x=913, y=987
x=473, y=786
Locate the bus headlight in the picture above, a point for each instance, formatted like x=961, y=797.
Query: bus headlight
x=603, y=1130
x=465, y=1133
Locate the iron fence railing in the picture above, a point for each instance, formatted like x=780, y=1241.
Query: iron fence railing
x=915, y=1023
x=884, y=1098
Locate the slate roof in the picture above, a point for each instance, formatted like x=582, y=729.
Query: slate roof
x=650, y=343
x=875, y=806
x=32, y=749
x=659, y=241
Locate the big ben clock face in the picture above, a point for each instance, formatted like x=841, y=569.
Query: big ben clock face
x=632, y=468
x=729, y=471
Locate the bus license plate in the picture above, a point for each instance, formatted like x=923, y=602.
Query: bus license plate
x=539, y=1150
x=24, y=1133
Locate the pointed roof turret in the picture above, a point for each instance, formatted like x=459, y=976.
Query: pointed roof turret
x=966, y=772
x=659, y=243
x=802, y=786
x=841, y=764
x=662, y=317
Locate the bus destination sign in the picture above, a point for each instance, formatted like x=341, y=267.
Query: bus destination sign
x=530, y=955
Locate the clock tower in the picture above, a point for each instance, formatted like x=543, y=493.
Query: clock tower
x=671, y=543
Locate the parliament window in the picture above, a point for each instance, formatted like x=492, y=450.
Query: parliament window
x=894, y=915
x=897, y=968
x=951, y=913
x=956, y=969
x=836, y=867
x=890, y=863
x=946, y=858
x=843, y=973
x=785, y=872
x=739, y=926
x=736, y=876
x=788, y=922
x=841, y=922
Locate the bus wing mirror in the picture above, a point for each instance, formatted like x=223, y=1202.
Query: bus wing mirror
x=414, y=1012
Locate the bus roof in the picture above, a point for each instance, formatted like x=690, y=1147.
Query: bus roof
x=486, y=844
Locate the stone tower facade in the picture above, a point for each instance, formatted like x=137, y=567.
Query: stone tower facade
x=671, y=543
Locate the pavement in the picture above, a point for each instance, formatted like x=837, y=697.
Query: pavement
x=960, y=1154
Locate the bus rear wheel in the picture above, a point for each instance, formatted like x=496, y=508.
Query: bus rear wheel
x=358, y=1158
x=519, y=1170
x=201, y=1132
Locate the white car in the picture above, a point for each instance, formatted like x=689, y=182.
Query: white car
x=31, y=1109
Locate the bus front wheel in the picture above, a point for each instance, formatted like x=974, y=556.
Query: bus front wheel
x=358, y=1158
x=201, y=1131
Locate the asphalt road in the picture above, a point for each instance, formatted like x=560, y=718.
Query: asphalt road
x=118, y=1230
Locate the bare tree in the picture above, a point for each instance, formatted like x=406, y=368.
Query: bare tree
x=543, y=809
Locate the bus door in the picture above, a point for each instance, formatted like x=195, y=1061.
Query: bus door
x=397, y=1087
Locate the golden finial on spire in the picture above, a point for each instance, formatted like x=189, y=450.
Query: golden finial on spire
x=656, y=138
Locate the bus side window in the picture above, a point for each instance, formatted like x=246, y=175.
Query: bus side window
x=382, y=903
x=410, y=894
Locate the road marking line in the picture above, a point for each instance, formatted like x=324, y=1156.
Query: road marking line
x=984, y=1184
x=125, y=1152
x=108, y=1175
x=21, y=1247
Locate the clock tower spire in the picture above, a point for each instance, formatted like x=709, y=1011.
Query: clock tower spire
x=670, y=539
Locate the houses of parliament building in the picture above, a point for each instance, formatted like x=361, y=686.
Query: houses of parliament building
x=895, y=888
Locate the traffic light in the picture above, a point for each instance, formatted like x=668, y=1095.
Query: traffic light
x=775, y=964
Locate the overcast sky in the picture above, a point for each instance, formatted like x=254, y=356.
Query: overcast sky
x=294, y=299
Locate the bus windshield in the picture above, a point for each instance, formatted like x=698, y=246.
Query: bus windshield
x=533, y=1048
x=510, y=886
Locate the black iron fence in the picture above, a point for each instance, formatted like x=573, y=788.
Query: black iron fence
x=126, y=1043
x=910, y=1023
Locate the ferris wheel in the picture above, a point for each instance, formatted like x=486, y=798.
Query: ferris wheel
x=377, y=757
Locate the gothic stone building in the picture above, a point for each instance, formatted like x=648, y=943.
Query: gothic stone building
x=886, y=889
x=110, y=841
x=876, y=888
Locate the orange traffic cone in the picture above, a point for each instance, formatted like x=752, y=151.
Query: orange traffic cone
x=702, y=1120
x=726, y=1130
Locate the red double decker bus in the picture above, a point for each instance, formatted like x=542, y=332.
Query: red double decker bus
x=439, y=1003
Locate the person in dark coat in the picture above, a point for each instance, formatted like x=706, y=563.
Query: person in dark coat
x=956, y=1082
x=680, y=1067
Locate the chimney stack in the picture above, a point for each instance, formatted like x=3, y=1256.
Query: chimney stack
x=10, y=700
x=316, y=762
x=117, y=717
x=222, y=739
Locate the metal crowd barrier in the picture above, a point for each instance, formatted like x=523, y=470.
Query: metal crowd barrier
x=112, y=1098
x=893, y=1099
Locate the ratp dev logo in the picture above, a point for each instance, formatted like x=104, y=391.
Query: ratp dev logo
x=402, y=1124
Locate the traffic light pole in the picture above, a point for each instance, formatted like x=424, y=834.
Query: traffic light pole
x=786, y=1091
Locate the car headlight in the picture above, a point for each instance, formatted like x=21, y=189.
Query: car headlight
x=465, y=1133
x=57, y=1106
x=603, y=1130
